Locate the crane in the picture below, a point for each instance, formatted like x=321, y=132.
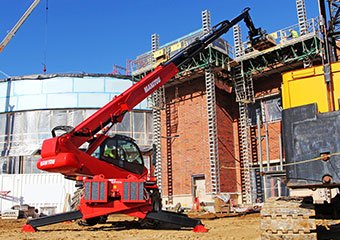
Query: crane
x=19, y=23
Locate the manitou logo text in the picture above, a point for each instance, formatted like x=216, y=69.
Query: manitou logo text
x=151, y=85
x=47, y=162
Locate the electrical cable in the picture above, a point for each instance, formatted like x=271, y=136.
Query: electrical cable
x=46, y=37
x=288, y=164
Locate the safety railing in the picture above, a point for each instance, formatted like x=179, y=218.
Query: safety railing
x=143, y=63
x=288, y=36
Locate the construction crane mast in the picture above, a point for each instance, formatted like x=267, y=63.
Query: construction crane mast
x=16, y=27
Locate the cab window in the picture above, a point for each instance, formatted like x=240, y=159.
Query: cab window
x=129, y=152
x=122, y=153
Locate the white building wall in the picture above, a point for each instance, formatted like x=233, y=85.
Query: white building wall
x=37, y=190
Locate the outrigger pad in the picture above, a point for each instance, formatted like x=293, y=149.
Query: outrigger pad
x=32, y=224
x=178, y=219
x=28, y=228
x=200, y=228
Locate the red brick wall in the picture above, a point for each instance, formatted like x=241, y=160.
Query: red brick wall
x=190, y=152
x=274, y=131
x=226, y=113
x=267, y=86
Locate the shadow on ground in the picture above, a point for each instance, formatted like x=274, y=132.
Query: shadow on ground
x=123, y=225
x=328, y=233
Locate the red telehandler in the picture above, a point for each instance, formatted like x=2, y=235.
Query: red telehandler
x=115, y=179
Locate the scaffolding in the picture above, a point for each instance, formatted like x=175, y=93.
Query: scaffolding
x=215, y=55
x=334, y=26
x=211, y=112
x=288, y=52
x=169, y=152
x=157, y=104
x=206, y=22
x=238, y=45
x=212, y=132
x=302, y=17
x=244, y=94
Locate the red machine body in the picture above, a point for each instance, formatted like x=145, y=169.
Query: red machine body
x=63, y=154
x=126, y=195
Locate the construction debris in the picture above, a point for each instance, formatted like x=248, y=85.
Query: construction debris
x=20, y=211
x=10, y=214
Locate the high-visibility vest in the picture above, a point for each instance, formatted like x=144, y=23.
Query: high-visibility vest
x=294, y=34
x=109, y=152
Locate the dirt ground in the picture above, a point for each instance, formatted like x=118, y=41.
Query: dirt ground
x=117, y=228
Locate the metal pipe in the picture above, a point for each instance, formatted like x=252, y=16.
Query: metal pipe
x=279, y=193
x=259, y=138
x=281, y=157
x=267, y=146
x=264, y=187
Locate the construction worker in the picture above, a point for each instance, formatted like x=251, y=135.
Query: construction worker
x=110, y=151
x=249, y=47
x=293, y=33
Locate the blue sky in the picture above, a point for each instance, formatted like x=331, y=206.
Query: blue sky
x=91, y=36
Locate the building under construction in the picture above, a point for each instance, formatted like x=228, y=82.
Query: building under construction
x=217, y=125
x=215, y=128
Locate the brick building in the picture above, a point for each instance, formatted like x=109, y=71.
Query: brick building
x=189, y=145
x=217, y=124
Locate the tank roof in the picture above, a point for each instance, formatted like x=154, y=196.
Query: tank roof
x=53, y=75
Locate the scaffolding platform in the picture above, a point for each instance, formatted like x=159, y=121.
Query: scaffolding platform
x=263, y=44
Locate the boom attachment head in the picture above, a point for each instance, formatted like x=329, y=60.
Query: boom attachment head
x=258, y=38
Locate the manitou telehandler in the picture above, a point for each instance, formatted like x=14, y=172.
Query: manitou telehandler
x=115, y=179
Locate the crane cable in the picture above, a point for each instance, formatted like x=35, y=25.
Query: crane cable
x=46, y=38
x=322, y=158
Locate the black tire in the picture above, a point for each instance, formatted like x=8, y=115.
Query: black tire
x=156, y=200
x=89, y=221
x=102, y=219
x=74, y=206
x=93, y=221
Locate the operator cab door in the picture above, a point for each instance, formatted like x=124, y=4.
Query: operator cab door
x=122, y=153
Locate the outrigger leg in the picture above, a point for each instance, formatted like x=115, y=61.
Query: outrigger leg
x=179, y=219
x=32, y=224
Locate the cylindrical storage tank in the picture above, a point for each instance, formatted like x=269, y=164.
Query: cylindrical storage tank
x=31, y=106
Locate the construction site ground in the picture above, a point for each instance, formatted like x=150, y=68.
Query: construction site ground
x=121, y=227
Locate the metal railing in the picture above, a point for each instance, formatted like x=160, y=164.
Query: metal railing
x=285, y=37
x=143, y=63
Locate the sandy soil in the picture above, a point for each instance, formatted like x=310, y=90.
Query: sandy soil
x=244, y=227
